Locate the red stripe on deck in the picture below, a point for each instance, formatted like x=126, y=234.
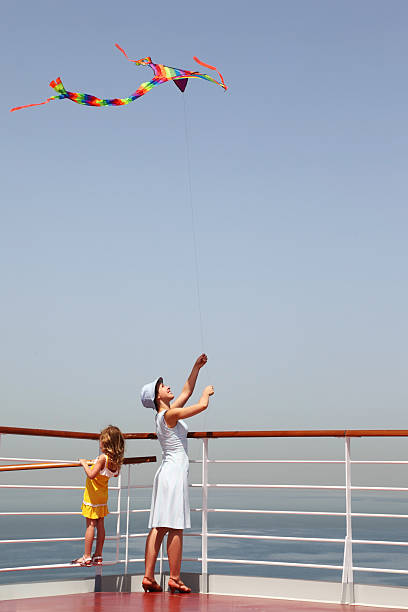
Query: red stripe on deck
x=165, y=602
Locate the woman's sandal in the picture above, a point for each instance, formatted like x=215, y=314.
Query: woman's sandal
x=97, y=560
x=82, y=561
x=178, y=585
x=150, y=585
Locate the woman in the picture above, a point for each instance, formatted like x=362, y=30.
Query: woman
x=170, y=509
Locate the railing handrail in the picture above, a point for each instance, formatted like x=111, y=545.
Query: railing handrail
x=68, y=464
x=304, y=433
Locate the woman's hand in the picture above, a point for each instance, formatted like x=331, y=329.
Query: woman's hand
x=173, y=415
x=83, y=462
x=189, y=386
x=201, y=361
x=209, y=390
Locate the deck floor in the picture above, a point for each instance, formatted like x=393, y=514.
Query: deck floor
x=165, y=602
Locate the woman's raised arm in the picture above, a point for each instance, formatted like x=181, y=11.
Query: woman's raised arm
x=190, y=383
x=175, y=414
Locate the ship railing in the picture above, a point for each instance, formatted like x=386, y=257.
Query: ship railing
x=347, y=568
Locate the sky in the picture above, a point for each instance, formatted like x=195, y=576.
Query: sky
x=298, y=195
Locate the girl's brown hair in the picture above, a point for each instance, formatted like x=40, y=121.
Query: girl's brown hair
x=112, y=442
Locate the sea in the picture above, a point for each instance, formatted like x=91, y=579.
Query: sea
x=27, y=554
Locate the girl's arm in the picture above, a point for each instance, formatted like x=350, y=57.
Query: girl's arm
x=190, y=383
x=173, y=415
x=98, y=466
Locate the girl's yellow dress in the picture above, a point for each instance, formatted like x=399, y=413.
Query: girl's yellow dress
x=95, y=502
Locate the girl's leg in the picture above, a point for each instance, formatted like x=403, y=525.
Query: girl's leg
x=175, y=551
x=153, y=543
x=100, y=537
x=89, y=536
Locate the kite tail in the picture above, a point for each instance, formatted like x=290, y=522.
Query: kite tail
x=59, y=88
x=211, y=68
x=143, y=61
x=28, y=105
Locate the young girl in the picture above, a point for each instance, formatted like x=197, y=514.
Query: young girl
x=170, y=510
x=94, y=505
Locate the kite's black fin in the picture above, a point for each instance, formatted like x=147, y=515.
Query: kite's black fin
x=181, y=83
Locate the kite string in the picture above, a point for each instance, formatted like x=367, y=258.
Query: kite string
x=195, y=247
x=193, y=227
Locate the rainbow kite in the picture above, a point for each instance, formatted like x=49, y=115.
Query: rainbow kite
x=161, y=75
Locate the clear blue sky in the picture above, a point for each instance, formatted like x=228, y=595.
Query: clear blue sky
x=299, y=187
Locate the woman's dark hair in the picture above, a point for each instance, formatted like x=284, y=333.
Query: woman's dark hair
x=156, y=388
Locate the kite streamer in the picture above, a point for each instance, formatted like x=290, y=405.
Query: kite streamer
x=162, y=74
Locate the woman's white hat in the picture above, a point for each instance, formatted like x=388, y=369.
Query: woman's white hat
x=148, y=393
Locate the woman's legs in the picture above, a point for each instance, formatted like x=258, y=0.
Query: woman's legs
x=175, y=554
x=175, y=551
x=100, y=537
x=89, y=535
x=153, y=543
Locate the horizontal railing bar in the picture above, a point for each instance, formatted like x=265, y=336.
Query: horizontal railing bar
x=380, y=542
x=34, y=459
x=25, y=568
x=301, y=512
x=43, y=513
x=280, y=563
x=126, y=461
x=279, y=538
x=300, y=461
x=140, y=535
x=48, y=433
x=219, y=486
x=125, y=487
x=380, y=462
x=67, y=487
x=211, y=560
x=221, y=510
x=354, y=488
x=71, y=464
x=248, y=562
x=308, y=433
x=270, y=486
x=271, y=461
x=38, y=540
x=184, y=559
x=372, y=515
x=249, y=461
x=379, y=570
x=46, y=513
x=296, y=486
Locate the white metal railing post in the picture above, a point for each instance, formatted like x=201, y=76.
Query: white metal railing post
x=347, y=583
x=127, y=522
x=118, y=519
x=204, y=519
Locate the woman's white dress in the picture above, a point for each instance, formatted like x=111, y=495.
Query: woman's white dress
x=170, y=504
